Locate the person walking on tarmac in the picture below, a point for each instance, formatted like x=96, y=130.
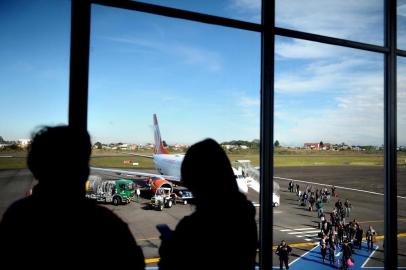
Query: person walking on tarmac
x=283, y=251
x=370, y=235
x=348, y=206
x=347, y=253
x=138, y=193
x=323, y=247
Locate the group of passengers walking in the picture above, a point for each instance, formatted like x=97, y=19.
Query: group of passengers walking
x=336, y=234
x=313, y=199
x=57, y=225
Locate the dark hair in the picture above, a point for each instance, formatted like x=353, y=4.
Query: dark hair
x=59, y=152
x=206, y=163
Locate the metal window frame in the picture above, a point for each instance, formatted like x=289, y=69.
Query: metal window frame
x=78, y=95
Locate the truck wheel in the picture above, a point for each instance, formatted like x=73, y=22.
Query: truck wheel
x=116, y=200
x=169, y=204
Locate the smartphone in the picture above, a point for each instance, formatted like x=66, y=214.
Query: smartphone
x=165, y=231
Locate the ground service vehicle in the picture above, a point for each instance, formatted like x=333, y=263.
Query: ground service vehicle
x=110, y=191
x=182, y=195
x=162, y=198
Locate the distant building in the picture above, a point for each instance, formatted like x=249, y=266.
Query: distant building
x=179, y=146
x=23, y=142
x=317, y=146
x=123, y=146
x=132, y=147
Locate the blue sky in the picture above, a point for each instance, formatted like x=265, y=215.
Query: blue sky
x=201, y=80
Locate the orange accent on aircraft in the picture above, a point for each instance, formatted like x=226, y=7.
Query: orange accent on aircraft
x=156, y=183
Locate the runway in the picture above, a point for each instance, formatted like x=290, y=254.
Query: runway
x=292, y=222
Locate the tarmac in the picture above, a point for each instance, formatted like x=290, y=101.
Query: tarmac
x=292, y=222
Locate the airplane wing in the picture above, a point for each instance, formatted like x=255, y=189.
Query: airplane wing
x=134, y=173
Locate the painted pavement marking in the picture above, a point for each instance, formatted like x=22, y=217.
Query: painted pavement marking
x=309, y=233
x=327, y=185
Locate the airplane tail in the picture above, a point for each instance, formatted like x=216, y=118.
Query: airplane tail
x=159, y=147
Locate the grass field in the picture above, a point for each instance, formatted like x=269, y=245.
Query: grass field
x=111, y=159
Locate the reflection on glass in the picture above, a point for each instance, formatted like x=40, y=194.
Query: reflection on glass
x=34, y=53
x=355, y=20
x=328, y=150
x=158, y=85
x=244, y=10
x=401, y=159
x=401, y=24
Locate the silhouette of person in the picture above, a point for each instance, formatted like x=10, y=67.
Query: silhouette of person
x=222, y=232
x=57, y=227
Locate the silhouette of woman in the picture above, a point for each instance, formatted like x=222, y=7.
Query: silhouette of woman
x=222, y=232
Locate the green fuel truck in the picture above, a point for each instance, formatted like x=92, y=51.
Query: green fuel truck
x=117, y=192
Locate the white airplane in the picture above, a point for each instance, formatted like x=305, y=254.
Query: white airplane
x=168, y=165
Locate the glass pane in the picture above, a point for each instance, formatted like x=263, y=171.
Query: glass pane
x=401, y=156
x=329, y=128
x=34, y=77
x=201, y=81
x=401, y=24
x=245, y=10
x=355, y=20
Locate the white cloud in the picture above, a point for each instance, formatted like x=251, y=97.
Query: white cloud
x=401, y=9
x=358, y=119
x=302, y=49
x=187, y=54
x=325, y=75
x=357, y=20
x=249, y=101
x=350, y=97
x=246, y=9
x=253, y=5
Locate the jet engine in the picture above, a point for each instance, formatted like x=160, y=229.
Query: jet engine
x=157, y=182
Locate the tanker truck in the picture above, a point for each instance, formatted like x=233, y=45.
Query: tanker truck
x=110, y=191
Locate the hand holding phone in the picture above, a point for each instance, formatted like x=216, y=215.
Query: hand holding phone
x=166, y=232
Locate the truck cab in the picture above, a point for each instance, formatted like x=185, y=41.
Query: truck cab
x=124, y=191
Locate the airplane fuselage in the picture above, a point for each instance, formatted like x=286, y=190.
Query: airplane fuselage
x=168, y=164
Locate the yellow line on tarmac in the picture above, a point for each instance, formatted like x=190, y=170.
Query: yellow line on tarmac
x=380, y=237
x=300, y=245
x=378, y=221
x=151, y=260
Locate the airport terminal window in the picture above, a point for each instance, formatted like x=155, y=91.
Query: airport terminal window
x=357, y=20
x=305, y=72
x=330, y=133
x=200, y=80
x=34, y=78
